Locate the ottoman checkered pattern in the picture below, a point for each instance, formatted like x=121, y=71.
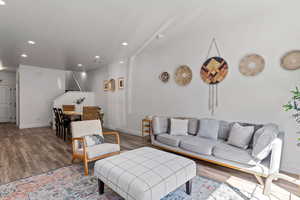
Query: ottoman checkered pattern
x=144, y=173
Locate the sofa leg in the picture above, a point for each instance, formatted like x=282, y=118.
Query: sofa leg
x=259, y=180
x=267, y=188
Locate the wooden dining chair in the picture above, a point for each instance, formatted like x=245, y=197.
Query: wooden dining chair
x=64, y=124
x=68, y=107
x=57, y=122
x=90, y=113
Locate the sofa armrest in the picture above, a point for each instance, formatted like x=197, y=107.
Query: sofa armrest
x=276, y=156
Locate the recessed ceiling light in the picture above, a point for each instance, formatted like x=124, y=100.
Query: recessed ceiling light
x=31, y=42
x=124, y=43
x=2, y=3
x=79, y=65
x=97, y=57
x=121, y=62
x=24, y=55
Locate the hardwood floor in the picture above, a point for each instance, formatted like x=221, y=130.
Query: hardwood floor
x=33, y=151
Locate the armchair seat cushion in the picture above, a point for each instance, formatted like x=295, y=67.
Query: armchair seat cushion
x=101, y=149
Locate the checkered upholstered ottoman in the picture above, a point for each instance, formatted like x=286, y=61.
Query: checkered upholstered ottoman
x=144, y=173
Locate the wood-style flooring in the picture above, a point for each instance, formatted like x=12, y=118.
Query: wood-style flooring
x=29, y=152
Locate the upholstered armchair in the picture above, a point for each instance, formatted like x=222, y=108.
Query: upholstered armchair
x=81, y=151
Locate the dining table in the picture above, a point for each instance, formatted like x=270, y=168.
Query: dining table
x=73, y=114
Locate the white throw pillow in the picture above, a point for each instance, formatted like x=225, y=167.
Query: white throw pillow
x=179, y=127
x=240, y=136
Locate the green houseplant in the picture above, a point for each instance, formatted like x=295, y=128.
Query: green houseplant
x=294, y=105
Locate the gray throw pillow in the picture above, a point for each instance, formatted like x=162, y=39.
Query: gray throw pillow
x=179, y=127
x=240, y=136
x=262, y=141
x=92, y=140
x=208, y=128
x=160, y=125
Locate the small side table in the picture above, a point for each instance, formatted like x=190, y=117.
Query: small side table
x=146, y=127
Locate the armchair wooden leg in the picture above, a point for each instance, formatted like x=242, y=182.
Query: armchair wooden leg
x=86, y=167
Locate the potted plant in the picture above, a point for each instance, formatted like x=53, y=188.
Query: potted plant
x=293, y=105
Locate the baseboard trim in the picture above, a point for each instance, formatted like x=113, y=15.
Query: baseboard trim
x=129, y=131
x=34, y=125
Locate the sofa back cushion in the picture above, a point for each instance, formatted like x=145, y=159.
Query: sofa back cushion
x=224, y=130
x=240, y=136
x=179, y=127
x=160, y=125
x=262, y=141
x=193, y=126
x=209, y=128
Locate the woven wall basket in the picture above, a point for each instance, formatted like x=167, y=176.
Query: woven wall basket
x=252, y=65
x=291, y=60
x=183, y=75
x=214, y=70
x=164, y=77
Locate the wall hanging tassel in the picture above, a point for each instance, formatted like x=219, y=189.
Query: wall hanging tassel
x=213, y=71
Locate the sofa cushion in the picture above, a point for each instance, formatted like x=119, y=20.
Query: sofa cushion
x=209, y=128
x=199, y=145
x=240, y=136
x=224, y=130
x=171, y=140
x=179, y=127
x=228, y=152
x=193, y=126
x=160, y=125
x=262, y=141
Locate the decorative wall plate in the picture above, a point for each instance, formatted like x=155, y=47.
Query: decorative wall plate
x=252, y=65
x=112, y=85
x=164, y=77
x=183, y=75
x=291, y=60
x=214, y=70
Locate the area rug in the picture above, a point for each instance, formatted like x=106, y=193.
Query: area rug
x=69, y=183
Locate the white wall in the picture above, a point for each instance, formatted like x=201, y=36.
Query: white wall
x=8, y=78
x=268, y=28
x=38, y=88
x=113, y=104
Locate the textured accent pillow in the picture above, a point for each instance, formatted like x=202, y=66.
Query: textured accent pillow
x=209, y=128
x=160, y=125
x=92, y=140
x=262, y=141
x=240, y=136
x=179, y=127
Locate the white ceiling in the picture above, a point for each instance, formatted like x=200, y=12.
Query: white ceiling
x=68, y=32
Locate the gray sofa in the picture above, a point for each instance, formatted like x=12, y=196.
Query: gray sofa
x=218, y=150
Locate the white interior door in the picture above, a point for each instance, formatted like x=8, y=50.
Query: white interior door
x=7, y=104
x=4, y=104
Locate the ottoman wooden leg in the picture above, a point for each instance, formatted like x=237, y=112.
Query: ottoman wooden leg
x=100, y=186
x=188, y=186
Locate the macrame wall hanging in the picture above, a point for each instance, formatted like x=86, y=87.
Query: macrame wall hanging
x=213, y=71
